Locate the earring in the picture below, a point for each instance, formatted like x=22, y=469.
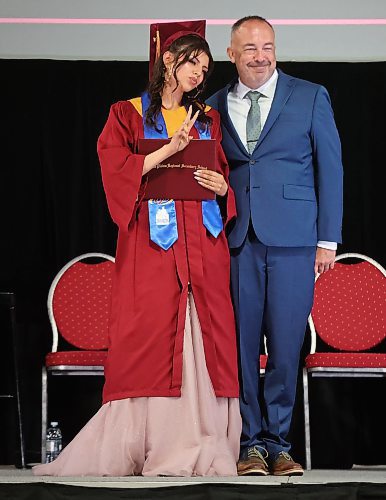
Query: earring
x=168, y=74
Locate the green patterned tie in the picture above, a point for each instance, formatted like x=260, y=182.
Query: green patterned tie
x=253, y=120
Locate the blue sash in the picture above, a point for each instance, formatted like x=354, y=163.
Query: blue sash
x=166, y=233
x=163, y=222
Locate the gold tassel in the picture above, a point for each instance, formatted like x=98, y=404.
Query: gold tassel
x=157, y=41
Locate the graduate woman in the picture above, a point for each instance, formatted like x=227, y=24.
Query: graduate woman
x=170, y=400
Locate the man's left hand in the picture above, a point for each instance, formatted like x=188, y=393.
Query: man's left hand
x=324, y=260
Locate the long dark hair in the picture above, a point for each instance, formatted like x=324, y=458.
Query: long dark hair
x=183, y=49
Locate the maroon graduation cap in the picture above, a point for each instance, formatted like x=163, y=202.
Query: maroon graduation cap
x=162, y=35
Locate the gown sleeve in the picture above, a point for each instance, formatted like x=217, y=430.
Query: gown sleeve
x=227, y=203
x=121, y=167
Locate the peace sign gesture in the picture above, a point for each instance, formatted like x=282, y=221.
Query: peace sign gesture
x=181, y=137
x=178, y=142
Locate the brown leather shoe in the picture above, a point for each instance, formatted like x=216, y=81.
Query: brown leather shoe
x=283, y=465
x=252, y=463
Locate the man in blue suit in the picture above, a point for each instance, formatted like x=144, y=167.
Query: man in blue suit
x=284, y=153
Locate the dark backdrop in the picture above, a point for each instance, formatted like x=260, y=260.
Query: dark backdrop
x=53, y=208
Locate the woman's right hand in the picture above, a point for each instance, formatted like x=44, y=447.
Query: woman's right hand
x=181, y=137
x=178, y=142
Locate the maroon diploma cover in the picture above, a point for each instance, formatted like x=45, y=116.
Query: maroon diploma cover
x=173, y=178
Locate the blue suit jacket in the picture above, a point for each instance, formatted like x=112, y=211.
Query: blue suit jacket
x=291, y=186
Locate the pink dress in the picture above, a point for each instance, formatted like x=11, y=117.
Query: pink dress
x=197, y=434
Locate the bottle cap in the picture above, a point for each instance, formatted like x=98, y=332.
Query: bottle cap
x=54, y=424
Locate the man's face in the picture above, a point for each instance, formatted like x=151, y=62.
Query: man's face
x=253, y=51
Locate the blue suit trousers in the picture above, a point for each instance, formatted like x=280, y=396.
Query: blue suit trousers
x=272, y=289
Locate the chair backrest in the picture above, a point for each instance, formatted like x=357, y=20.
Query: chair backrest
x=349, y=312
x=79, y=302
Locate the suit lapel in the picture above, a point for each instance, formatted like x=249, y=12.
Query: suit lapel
x=284, y=88
x=226, y=120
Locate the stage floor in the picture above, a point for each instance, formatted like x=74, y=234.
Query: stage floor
x=358, y=474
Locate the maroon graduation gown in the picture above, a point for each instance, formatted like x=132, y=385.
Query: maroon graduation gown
x=150, y=287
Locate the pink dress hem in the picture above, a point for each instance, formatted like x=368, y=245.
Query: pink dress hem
x=196, y=434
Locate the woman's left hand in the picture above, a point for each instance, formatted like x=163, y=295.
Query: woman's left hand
x=212, y=180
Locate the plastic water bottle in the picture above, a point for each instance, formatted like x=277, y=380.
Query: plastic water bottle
x=53, y=442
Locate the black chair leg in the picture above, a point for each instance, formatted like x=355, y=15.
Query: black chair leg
x=17, y=380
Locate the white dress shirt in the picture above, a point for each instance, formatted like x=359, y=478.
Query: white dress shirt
x=238, y=109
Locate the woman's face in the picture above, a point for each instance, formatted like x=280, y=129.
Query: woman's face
x=192, y=73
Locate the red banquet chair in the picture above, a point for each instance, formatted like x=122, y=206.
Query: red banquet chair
x=349, y=315
x=78, y=308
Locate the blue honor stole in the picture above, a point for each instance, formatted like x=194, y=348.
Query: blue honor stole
x=163, y=222
x=162, y=213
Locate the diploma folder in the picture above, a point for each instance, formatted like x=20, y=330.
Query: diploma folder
x=173, y=178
